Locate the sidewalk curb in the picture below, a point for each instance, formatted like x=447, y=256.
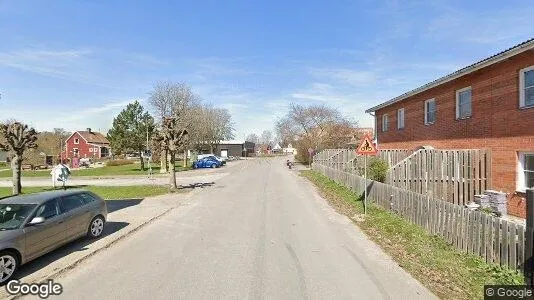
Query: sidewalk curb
x=56, y=273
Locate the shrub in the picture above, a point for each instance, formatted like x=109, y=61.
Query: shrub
x=3, y=164
x=120, y=162
x=377, y=169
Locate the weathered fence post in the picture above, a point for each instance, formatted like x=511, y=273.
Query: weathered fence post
x=529, y=258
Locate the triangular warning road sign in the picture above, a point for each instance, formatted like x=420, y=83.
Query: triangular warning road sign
x=367, y=147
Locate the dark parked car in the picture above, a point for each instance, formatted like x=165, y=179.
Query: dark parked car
x=35, y=224
x=207, y=162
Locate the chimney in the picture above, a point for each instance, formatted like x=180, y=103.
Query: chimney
x=89, y=130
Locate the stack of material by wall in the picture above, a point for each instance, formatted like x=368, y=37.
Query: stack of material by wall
x=482, y=200
x=497, y=201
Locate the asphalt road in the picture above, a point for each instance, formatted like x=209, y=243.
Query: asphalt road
x=262, y=232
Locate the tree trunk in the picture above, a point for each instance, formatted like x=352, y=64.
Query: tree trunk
x=173, y=170
x=185, y=158
x=142, y=160
x=16, y=166
x=163, y=161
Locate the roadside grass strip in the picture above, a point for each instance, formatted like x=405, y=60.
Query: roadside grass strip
x=130, y=169
x=106, y=192
x=447, y=272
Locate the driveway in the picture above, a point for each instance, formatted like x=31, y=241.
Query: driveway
x=262, y=232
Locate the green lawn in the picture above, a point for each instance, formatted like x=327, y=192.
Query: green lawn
x=449, y=273
x=133, y=169
x=106, y=192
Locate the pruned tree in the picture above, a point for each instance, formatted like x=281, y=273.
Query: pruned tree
x=16, y=138
x=169, y=100
x=131, y=129
x=172, y=137
x=315, y=126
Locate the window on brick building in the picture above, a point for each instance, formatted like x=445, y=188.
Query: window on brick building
x=90, y=149
x=76, y=141
x=526, y=171
x=385, y=123
x=430, y=111
x=400, y=118
x=463, y=103
x=527, y=87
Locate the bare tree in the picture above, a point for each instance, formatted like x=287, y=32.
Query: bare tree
x=316, y=126
x=266, y=137
x=16, y=138
x=252, y=138
x=210, y=126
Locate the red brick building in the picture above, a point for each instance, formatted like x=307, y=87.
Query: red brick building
x=487, y=105
x=86, y=144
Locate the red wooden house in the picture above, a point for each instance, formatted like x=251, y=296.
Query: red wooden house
x=86, y=144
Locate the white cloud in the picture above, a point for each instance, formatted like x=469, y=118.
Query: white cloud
x=96, y=117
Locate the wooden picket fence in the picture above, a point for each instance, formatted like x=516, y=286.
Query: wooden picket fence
x=451, y=175
x=493, y=239
x=346, y=159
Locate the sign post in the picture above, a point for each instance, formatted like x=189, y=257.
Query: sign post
x=366, y=148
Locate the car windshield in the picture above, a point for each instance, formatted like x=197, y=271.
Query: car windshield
x=12, y=215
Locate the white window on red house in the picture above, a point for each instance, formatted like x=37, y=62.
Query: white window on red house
x=430, y=111
x=400, y=118
x=76, y=141
x=385, y=123
x=527, y=87
x=526, y=171
x=463, y=103
x=75, y=152
x=90, y=149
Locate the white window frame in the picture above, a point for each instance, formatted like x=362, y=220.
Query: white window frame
x=458, y=103
x=76, y=141
x=522, y=95
x=521, y=182
x=385, y=123
x=75, y=151
x=426, y=111
x=400, y=118
x=90, y=149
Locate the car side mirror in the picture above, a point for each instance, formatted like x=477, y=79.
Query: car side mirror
x=36, y=221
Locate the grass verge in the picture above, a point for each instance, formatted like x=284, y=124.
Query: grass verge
x=447, y=272
x=106, y=192
x=131, y=169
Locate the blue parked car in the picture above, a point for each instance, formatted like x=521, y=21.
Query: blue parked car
x=207, y=162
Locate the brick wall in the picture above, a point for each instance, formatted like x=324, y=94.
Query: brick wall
x=497, y=122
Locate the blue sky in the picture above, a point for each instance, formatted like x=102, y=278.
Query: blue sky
x=75, y=64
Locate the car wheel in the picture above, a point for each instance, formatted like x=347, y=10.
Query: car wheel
x=96, y=227
x=214, y=166
x=9, y=264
